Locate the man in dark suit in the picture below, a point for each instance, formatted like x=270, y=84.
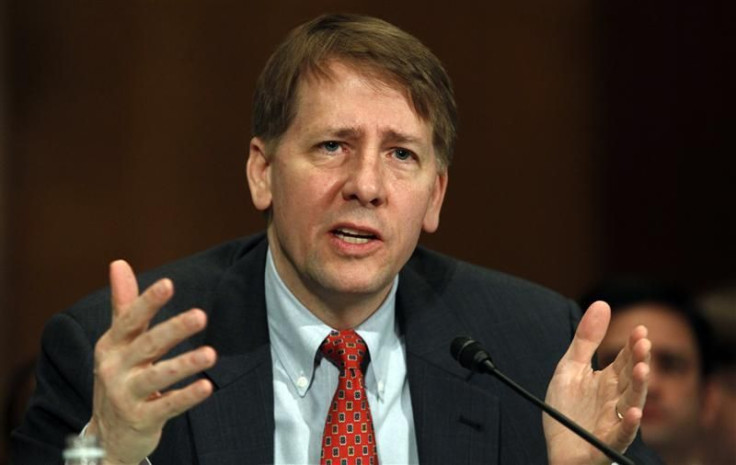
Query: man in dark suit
x=354, y=123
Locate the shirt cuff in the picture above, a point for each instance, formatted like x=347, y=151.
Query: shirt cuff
x=84, y=430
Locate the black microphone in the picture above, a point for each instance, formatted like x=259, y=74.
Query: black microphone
x=472, y=356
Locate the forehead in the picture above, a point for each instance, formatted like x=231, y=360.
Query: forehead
x=667, y=327
x=342, y=92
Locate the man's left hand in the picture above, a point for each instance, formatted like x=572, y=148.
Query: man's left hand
x=608, y=403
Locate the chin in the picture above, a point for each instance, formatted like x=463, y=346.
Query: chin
x=357, y=285
x=359, y=288
x=656, y=437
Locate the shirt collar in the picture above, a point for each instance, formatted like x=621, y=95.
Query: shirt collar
x=296, y=333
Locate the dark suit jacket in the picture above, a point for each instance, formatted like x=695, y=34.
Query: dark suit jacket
x=460, y=417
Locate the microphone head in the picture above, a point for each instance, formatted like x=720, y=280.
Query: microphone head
x=458, y=346
x=469, y=353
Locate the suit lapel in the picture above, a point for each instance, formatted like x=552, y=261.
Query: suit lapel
x=455, y=421
x=236, y=425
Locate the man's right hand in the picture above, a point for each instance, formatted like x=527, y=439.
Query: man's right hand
x=131, y=404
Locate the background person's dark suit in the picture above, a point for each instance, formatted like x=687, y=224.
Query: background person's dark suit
x=459, y=417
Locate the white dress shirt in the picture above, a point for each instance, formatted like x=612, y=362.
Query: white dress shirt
x=304, y=382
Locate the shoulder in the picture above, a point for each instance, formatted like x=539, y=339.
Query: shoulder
x=195, y=279
x=457, y=279
x=521, y=323
x=202, y=271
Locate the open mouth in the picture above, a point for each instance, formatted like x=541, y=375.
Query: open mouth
x=352, y=236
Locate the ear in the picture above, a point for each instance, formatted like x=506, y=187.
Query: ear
x=432, y=215
x=258, y=171
x=712, y=398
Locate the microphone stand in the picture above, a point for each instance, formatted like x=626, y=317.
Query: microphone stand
x=480, y=360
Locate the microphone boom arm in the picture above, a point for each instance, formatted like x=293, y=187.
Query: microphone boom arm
x=471, y=355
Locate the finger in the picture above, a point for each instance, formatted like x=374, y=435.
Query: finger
x=635, y=393
x=134, y=319
x=626, y=433
x=632, y=402
x=153, y=344
x=123, y=285
x=628, y=356
x=178, y=401
x=640, y=351
x=162, y=375
x=589, y=334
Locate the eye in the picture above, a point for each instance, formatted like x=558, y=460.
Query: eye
x=673, y=363
x=402, y=154
x=331, y=146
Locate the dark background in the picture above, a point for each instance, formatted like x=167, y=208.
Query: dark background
x=592, y=139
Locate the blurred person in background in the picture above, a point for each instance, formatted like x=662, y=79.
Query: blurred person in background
x=681, y=362
x=719, y=416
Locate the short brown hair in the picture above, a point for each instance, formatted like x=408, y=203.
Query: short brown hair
x=365, y=42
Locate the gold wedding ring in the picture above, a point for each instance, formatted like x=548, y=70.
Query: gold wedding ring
x=618, y=414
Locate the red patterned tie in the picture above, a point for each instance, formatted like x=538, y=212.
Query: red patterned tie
x=348, y=438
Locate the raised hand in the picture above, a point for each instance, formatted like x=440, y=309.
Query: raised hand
x=131, y=403
x=608, y=402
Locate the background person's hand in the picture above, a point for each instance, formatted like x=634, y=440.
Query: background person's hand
x=131, y=404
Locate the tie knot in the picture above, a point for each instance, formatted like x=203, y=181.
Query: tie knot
x=344, y=348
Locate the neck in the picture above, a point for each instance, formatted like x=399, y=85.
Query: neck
x=338, y=308
x=679, y=456
x=345, y=311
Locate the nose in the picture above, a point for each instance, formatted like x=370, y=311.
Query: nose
x=654, y=385
x=365, y=181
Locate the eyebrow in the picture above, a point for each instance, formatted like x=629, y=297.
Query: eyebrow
x=388, y=134
x=345, y=132
x=401, y=137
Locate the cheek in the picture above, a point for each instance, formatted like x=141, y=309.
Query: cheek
x=415, y=197
x=299, y=196
x=411, y=217
x=694, y=387
x=681, y=387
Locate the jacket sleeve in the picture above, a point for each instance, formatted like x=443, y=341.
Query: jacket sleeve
x=61, y=403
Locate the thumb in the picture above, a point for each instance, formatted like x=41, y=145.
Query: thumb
x=123, y=286
x=589, y=334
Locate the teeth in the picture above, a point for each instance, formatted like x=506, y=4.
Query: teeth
x=355, y=240
x=352, y=232
x=352, y=236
